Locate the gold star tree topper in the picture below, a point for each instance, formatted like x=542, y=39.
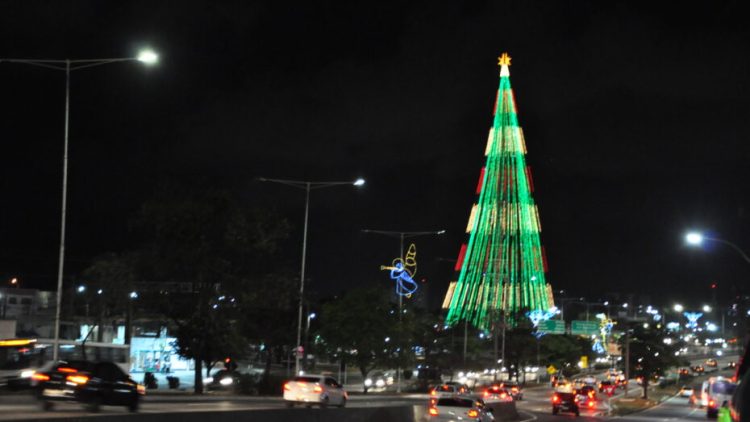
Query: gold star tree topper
x=504, y=60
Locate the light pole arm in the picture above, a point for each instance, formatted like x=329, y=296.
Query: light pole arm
x=69, y=65
x=733, y=246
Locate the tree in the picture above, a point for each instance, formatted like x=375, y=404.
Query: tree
x=221, y=249
x=649, y=355
x=358, y=327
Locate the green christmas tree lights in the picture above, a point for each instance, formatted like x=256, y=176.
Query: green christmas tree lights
x=501, y=269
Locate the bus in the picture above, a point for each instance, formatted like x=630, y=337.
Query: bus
x=21, y=357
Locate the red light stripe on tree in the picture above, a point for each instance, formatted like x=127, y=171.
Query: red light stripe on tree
x=544, y=259
x=481, y=181
x=531, y=181
x=461, y=256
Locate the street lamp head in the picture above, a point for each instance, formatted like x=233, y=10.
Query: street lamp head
x=312, y=315
x=359, y=182
x=148, y=57
x=81, y=289
x=706, y=308
x=694, y=238
x=678, y=308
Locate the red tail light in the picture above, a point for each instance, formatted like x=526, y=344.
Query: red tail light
x=591, y=404
x=433, y=393
x=503, y=395
x=40, y=377
x=78, y=379
x=486, y=393
x=287, y=387
x=555, y=398
x=514, y=389
x=711, y=403
x=318, y=389
x=575, y=399
x=472, y=413
x=433, y=411
x=67, y=370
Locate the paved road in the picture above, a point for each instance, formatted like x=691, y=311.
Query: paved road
x=25, y=407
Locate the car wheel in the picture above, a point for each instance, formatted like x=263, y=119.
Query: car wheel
x=343, y=403
x=47, y=405
x=554, y=410
x=94, y=405
x=134, y=405
x=324, y=402
x=578, y=412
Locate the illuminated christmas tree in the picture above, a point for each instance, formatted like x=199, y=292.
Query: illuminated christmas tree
x=501, y=269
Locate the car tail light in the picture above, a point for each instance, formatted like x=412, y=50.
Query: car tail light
x=472, y=413
x=514, y=389
x=591, y=404
x=140, y=389
x=503, y=395
x=575, y=399
x=318, y=389
x=67, y=370
x=40, y=377
x=287, y=387
x=433, y=393
x=711, y=403
x=433, y=411
x=78, y=379
x=486, y=393
x=555, y=398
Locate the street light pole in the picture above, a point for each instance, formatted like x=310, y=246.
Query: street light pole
x=68, y=65
x=307, y=186
x=697, y=238
x=403, y=235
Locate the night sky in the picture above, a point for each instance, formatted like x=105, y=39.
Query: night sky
x=635, y=117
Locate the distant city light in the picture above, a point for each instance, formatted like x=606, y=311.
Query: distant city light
x=694, y=238
x=148, y=57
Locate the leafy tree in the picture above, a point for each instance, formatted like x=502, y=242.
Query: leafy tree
x=649, y=355
x=221, y=249
x=358, y=327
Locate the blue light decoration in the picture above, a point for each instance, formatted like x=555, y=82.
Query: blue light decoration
x=597, y=347
x=692, y=318
x=538, y=315
x=402, y=271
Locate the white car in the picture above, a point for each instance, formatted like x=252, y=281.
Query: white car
x=459, y=408
x=449, y=389
x=314, y=389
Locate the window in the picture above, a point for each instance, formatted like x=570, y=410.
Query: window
x=25, y=301
x=332, y=383
x=12, y=300
x=455, y=402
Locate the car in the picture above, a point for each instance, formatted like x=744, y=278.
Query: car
x=449, y=389
x=711, y=363
x=378, y=380
x=459, y=407
x=223, y=379
x=92, y=384
x=731, y=365
x=496, y=393
x=515, y=390
x=686, y=391
x=607, y=387
x=587, y=390
x=698, y=369
x=718, y=393
x=565, y=402
x=312, y=390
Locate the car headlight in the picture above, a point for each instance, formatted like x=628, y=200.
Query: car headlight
x=380, y=383
x=226, y=381
x=368, y=382
x=27, y=373
x=208, y=380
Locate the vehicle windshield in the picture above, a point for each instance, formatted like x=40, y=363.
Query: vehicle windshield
x=455, y=402
x=307, y=379
x=722, y=387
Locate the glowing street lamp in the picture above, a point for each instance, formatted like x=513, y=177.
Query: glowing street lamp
x=678, y=308
x=706, y=308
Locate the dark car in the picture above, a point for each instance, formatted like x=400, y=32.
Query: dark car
x=607, y=387
x=565, y=402
x=90, y=383
x=514, y=389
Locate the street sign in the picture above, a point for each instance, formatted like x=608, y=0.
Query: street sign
x=584, y=328
x=551, y=369
x=551, y=326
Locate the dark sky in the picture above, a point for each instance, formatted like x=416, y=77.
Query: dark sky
x=635, y=117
